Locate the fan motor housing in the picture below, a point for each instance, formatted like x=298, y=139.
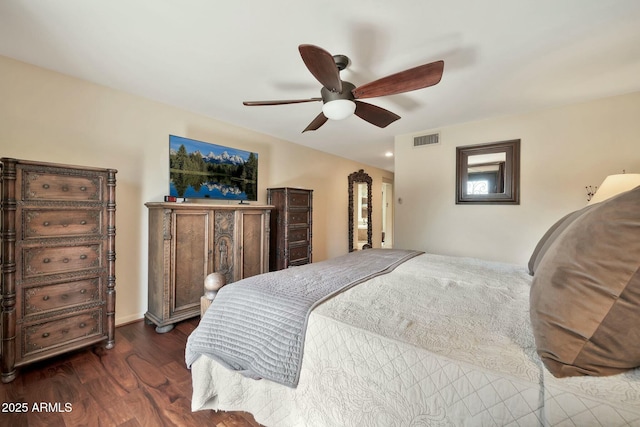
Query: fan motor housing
x=328, y=95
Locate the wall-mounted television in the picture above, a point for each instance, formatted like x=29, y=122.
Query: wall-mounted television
x=202, y=170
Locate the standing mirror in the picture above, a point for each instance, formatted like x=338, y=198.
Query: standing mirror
x=360, y=230
x=488, y=173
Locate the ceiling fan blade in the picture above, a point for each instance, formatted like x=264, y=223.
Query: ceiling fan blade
x=316, y=123
x=412, y=79
x=375, y=115
x=322, y=65
x=282, y=102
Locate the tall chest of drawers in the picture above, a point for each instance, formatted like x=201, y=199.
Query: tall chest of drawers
x=57, y=232
x=291, y=227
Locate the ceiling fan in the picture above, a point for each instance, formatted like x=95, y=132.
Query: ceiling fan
x=340, y=98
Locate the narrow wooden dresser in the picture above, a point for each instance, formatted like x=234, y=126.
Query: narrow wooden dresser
x=291, y=227
x=58, y=260
x=188, y=241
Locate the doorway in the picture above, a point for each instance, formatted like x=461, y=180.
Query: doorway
x=387, y=214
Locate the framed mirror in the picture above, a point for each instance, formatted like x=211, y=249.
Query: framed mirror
x=360, y=228
x=488, y=173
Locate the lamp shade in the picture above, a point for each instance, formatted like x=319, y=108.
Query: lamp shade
x=615, y=184
x=338, y=109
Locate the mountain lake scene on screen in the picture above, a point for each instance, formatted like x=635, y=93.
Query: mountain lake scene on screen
x=203, y=170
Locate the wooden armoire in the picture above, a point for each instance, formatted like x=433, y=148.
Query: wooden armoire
x=291, y=227
x=58, y=260
x=188, y=241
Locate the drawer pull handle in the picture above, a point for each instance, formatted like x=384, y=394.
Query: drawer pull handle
x=83, y=256
x=45, y=298
x=46, y=223
x=46, y=260
x=83, y=222
x=83, y=188
x=45, y=335
x=64, y=296
x=66, y=260
x=82, y=325
x=83, y=291
x=45, y=186
x=65, y=188
x=65, y=225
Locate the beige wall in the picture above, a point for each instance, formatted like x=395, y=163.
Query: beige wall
x=46, y=116
x=563, y=150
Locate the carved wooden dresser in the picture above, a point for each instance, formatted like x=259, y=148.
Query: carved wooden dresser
x=188, y=241
x=291, y=227
x=58, y=260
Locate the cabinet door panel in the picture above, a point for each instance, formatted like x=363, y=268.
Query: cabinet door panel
x=191, y=237
x=252, y=243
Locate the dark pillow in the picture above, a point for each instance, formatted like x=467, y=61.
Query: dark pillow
x=585, y=295
x=550, y=236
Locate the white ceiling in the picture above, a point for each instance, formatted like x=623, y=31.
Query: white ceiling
x=501, y=57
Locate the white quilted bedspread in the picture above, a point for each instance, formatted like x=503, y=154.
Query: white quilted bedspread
x=441, y=341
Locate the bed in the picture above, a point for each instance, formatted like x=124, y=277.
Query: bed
x=436, y=340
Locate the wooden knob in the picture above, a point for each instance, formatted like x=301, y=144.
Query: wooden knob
x=212, y=283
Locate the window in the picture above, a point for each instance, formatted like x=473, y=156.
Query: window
x=478, y=187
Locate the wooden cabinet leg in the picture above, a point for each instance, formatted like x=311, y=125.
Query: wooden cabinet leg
x=164, y=329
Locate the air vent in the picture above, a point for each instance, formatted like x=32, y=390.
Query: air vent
x=424, y=140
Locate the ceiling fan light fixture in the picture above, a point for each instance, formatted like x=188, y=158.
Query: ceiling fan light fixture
x=341, y=99
x=339, y=109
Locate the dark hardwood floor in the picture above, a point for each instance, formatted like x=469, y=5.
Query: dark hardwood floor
x=142, y=381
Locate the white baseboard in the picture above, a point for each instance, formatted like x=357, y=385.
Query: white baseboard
x=128, y=319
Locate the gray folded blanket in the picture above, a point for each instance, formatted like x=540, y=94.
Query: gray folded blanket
x=257, y=325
